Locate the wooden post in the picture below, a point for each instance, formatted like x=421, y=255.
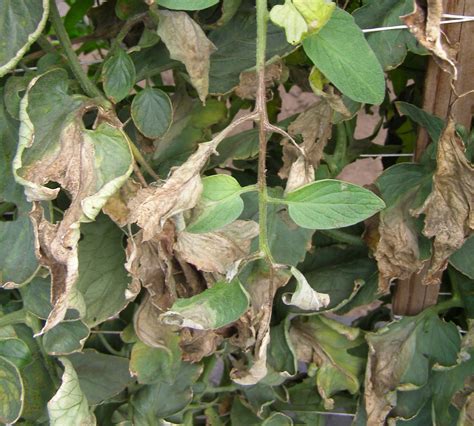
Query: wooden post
x=411, y=296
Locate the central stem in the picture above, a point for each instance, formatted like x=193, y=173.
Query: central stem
x=261, y=109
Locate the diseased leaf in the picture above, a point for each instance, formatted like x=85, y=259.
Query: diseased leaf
x=304, y=296
x=342, y=54
x=209, y=310
x=23, y=22
x=390, y=47
x=188, y=44
x=315, y=12
x=100, y=376
x=330, y=345
x=156, y=364
x=69, y=404
x=401, y=356
x=152, y=112
x=90, y=164
x=65, y=338
x=118, y=74
x=12, y=392
x=328, y=203
x=220, y=204
x=187, y=4
x=219, y=250
x=425, y=26
x=448, y=209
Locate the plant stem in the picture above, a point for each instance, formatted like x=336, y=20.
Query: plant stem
x=343, y=237
x=261, y=109
x=89, y=88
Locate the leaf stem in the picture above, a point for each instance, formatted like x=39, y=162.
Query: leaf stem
x=89, y=88
x=343, y=237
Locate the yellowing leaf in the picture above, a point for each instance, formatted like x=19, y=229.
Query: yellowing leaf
x=315, y=12
x=288, y=17
x=188, y=44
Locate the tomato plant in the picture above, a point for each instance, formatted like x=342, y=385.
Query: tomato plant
x=174, y=249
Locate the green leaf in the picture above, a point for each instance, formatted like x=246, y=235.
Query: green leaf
x=15, y=351
x=126, y=9
x=118, y=74
x=162, y=400
x=36, y=297
x=236, y=47
x=461, y=259
x=329, y=203
x=278, y=419
x=209, y=310
x=21, y=24
x=156, y=364
x=11, y=392
x=103, y=279
x=65, y=338
x=101, y=376
x=281, y=355
x=220, y=204
x=342, y=54
x=390, y=47
x=333, y=347
x=152, y=112
x=287, y=16
x=465, y=286
x=187, y=4
x=433, y=124
x=69, y=405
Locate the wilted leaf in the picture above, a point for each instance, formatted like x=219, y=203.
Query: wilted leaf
x=401, y=356
x=23, y=22
x=328, y=203
x=329, y=344
x=289, y=18
x=188, y=44
x=152, y=112
x=208, y=310
x=69, y=404
x=100, y=376
x=275, y=73
x=197, y=344
x=304, y=296
x=118, y=74
x=89, y=164
x=12, y=392
x=153, y=206
x=116, y=206
x=343, y=55
x=425, y=26
x=448, y=209
x=217, y=251
x=220, y=204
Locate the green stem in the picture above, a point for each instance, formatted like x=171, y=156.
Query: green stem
x=221, y=389
x=454, y=302
x=89, y=88
x=107, y=345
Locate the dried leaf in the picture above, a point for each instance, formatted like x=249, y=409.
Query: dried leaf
x=90, y=165
x=275, y=73
x=397, y=251
x=448, y=210
x=301, y=172
x=304, y=296
x=154, y=205
x=188, y=44
x=217, y=251
x=116, y=206
x=197, y=344
x=425, y=26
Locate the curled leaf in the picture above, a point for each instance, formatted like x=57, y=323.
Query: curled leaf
x=449, y=208
x=217, y=251
x=188, y=44
x=304, y=296
x=90, y=165
x=425, y=26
